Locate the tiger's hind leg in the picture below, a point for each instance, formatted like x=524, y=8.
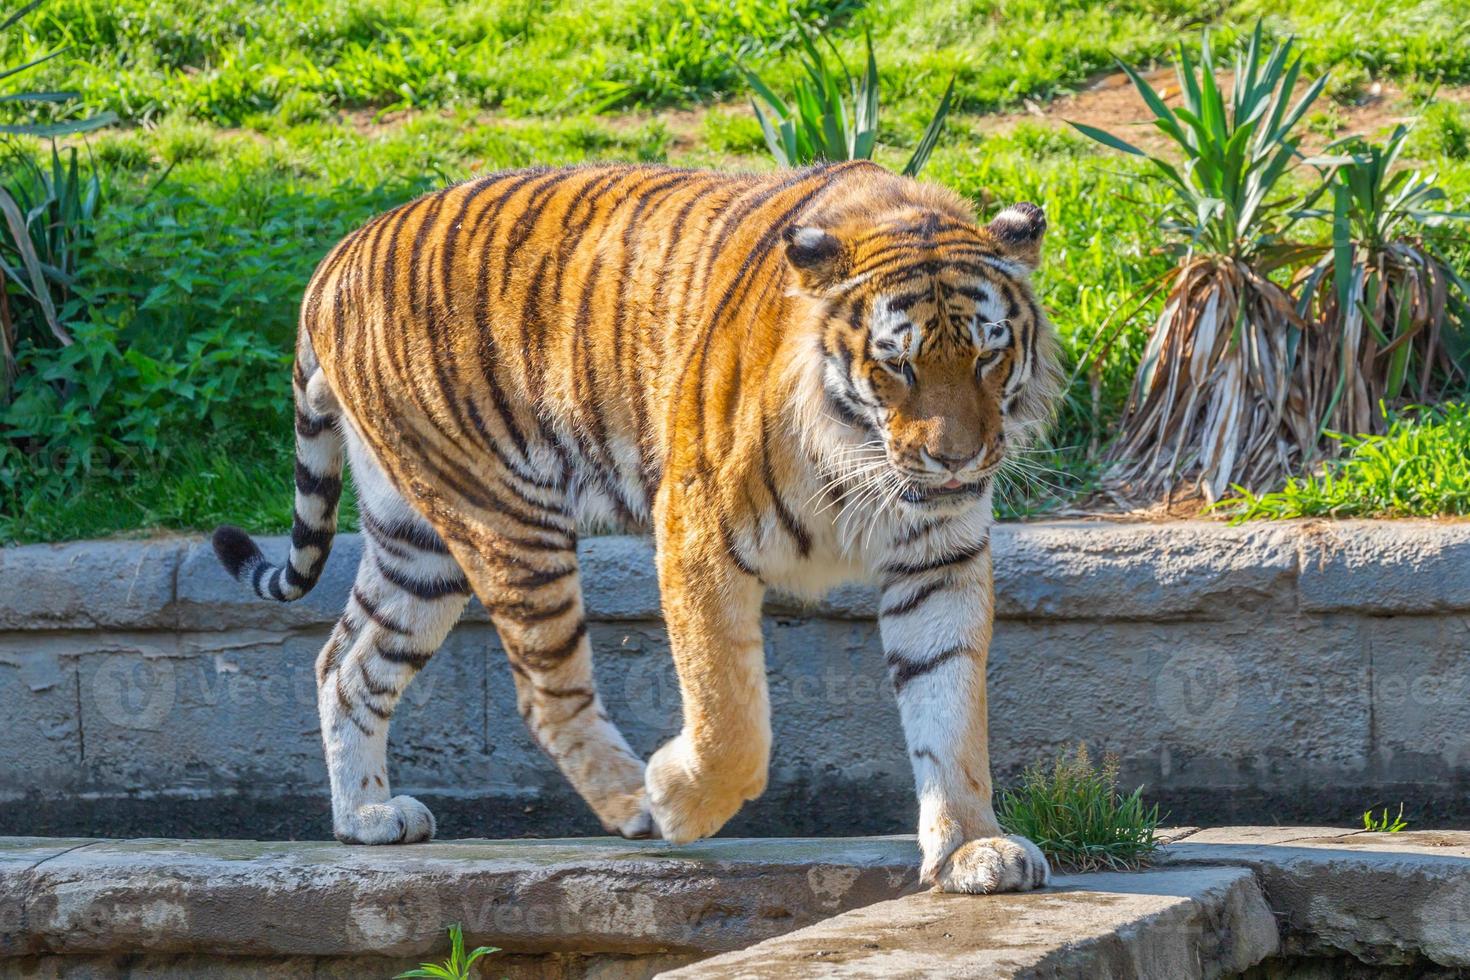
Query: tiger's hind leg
x=551, y=662
x=520, y=556
x=408, y=594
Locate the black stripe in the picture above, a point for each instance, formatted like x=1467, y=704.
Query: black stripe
x=383, y=714
x=846, y=413
x=408, y=532
x=536, y=580
x=302, y=581
x=373, y=687
x=734, y=551
x=784, y=515
x=310, y=426
x=535, y=520
x=273, y=584
x=326, y=486
x=415, y=659
x=544, y=659
x=904, y=670
x=420, y=288
x=914, y=601
x=376, y=614
x=524, y=613
x=427, y=591
x=303, y=535
x=902, y=569
x=525, y=224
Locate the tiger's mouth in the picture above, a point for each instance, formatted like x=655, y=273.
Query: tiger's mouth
x=952, y=490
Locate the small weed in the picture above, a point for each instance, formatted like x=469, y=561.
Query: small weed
x=1325, y=122
x=1443, y=130
x=1349, y=85
x=457, y=967
x=1383, y=823
x=1074, y=812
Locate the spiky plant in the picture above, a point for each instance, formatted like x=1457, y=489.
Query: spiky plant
x=819, y=124
x=43, y=217
x=1211, y=404
x=1389, y=314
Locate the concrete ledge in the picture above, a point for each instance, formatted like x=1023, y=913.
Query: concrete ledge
x=1382, y=898
x=247, y=898
x=1219, y=902
x=1053, y=570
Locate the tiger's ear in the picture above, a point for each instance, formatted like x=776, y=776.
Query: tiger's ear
x=1019, y=230
x=818, y=256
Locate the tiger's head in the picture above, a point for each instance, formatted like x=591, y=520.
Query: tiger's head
x=935, y=359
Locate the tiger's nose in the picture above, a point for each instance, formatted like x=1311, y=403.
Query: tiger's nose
x=953, y=463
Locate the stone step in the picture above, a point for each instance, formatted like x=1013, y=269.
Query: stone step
x=1216, y=902
x=232, y=898
x=1177, y=924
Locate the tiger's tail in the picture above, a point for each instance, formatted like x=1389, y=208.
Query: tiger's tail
x=319, y=455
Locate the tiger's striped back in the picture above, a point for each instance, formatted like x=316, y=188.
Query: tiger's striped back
x=540, y=318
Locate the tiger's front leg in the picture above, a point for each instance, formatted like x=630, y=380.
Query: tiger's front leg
x=935, y=620
x=700, y=778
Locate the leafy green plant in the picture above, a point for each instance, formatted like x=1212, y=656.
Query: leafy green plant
x=47, y=217
x=1420, y=467
x=457, y=967
x=833, y=117
x=1211, y=404
x=1074, y=812
x=1384, y=823
x=1390, y=316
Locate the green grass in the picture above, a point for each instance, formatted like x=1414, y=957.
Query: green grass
x=275, y=128
x=1074, y=812
x=236, y=60
x=1419, y=468
x=1385, y=822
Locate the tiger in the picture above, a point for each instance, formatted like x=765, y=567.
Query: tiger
x=790, y=379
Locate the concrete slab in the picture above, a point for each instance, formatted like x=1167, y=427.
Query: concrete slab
x=1218, y=902
x=1383, y=898
x=250, y=898
x=1205, y=922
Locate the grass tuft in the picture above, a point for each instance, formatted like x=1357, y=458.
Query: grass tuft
x=1074, y=812
x=1385, y=822
x=459, y=964
x=1419, y=468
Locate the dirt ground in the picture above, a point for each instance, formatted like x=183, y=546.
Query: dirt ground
x=1111, y=103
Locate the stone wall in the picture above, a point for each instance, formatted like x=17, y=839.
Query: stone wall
x=1299, y=671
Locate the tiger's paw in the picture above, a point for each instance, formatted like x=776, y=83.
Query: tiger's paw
x=993, y=864
x=689, y=801
x=401, y=820
x=640, y=826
